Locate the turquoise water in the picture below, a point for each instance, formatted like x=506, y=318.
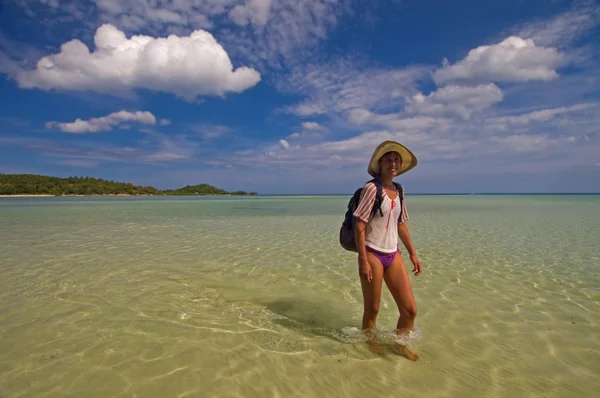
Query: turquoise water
x=242, y=297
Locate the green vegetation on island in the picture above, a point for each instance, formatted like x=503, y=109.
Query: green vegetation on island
x=203, y=189
x=32, y=184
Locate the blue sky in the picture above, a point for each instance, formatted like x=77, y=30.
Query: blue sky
x=292, y=97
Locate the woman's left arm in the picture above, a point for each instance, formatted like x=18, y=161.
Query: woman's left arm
x=407, y=241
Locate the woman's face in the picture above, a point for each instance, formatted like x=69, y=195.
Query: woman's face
x=389, y=164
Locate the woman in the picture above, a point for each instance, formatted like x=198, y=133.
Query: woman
x=379, y=257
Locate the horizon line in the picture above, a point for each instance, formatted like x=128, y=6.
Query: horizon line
x=439, y=193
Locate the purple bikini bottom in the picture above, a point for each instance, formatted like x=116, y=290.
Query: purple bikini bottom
x=385, y=258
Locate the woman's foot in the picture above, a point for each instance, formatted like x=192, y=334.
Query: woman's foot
x=373, y=342
x=376, y=348
x=405, y=352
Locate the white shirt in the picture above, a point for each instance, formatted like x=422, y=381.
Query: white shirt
x=382, y=232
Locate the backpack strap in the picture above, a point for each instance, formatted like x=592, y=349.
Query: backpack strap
x=378, y=197
x=401, y=196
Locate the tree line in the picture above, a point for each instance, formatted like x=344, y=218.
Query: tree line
x=32, y=184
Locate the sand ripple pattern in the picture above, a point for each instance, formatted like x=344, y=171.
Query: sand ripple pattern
x=244, y=297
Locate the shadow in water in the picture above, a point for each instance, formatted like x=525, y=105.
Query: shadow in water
x=313, y=319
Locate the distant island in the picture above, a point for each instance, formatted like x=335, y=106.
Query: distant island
x=32, y=184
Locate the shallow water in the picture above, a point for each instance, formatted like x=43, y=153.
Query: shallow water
x=241, y=297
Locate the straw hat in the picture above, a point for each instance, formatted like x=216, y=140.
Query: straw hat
x=409, y=160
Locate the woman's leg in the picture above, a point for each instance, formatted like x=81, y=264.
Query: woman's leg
x=371, y=300
x=397, y=280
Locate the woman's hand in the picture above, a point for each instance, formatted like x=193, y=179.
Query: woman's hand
x=364, y=269
x=417, y=269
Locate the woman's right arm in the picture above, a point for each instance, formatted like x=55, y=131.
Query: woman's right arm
x=364, y=268
x=361, y=217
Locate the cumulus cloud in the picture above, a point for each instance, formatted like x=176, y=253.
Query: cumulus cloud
x=189, y=67
x=269, y=33
x=106, y=123
x=512, y=60
x=266, y=33
x=455, y=100
x=284, y=144
x=254, y=11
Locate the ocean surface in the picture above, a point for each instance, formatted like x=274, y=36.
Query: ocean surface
x=254, y=297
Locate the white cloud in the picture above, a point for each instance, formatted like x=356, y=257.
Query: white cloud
x=290, y=30
x=512, y=60
x=340, y=86
x=191, y=66
x=446, y=146
x=361, y=116
x=105, y=123
x=527, y=143
x=209, y=131
x=269, y=33
x=305, y=135
x=254, y=11
x=284, y=32
x=265, y=33
x=8, y=66
x=309, y=108
x=562, y=30
x=438, y=152
x=396, y=121
x=313, y=126
x=455, y=100
x=161, y=15
x=541, y=115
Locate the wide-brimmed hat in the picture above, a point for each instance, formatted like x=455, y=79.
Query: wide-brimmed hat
x=409, y=160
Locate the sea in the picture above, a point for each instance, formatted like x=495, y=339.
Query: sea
x=254, y=297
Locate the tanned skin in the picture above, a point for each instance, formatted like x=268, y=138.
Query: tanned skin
x=395, y=276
